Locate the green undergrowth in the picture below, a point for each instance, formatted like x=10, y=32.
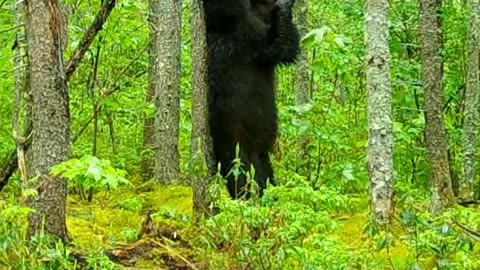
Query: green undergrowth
x=292, y=227
x=118, y=219
x=300, y=229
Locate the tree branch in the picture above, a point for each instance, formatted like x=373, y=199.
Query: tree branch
x=89, y=36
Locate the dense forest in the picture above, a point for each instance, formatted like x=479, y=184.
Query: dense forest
x=128, y=127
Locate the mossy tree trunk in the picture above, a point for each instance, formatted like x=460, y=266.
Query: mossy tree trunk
x=380, y=124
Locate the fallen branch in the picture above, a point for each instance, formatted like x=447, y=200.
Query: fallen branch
x=475, y=235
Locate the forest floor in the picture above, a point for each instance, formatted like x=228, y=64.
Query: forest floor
x=116, y=223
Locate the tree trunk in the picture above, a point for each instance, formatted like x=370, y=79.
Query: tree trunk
x=20, y=74
x=46, y=30
x=301, y=84
x=380, y=124
x=164, y=77
x=201, y=150
x=435, y=135
x=470, y=122
x=148, y=160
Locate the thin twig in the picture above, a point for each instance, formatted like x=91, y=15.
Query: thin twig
x=475, y=235
x=11, y=28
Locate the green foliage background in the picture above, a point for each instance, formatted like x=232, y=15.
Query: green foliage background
x=318, y=193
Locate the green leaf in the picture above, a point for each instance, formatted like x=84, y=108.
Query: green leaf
x=382, y=243
x=348, y=172
x=339, y=42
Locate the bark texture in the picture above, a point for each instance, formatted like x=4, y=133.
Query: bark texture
x=201, y=150
x=301, y=87
x=470, y=122
x=302, y=82
x=20, y=83
x=148, y=160
x=164, y=77
x=380, y=124
x=46, y=30
x=435, y=135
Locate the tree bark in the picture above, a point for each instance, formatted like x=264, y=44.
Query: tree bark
x=380, y=124
x=201, y=150
x=435, y=135
x=470, y=122
x=164, y=77
x=301, y=84
x=20, y=88
x=302, y=75
x=148, y=160
x=46, y=30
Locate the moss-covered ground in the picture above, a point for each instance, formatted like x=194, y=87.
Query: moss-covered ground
x=114, y=220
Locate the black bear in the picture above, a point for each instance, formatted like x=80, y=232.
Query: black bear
x=246, y=40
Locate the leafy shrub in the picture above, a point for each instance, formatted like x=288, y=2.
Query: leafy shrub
x=91, y=172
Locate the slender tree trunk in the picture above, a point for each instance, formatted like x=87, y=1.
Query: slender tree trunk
x=164, y=77
x=111, y=132
x=201, y=150
x=302, y=74
x=301, y=86
x=148, y=160
x=46, y=30
x=380, y=124
x=470, y=123
x=20, y=74
x=441, y=186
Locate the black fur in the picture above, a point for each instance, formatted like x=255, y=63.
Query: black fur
x=244, y=47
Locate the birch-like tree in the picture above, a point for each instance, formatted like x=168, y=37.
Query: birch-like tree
x=46, y=31
x=201, y=143
x=380, y=124
x=435, y=134
x=164, y=77
x=470, y=122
